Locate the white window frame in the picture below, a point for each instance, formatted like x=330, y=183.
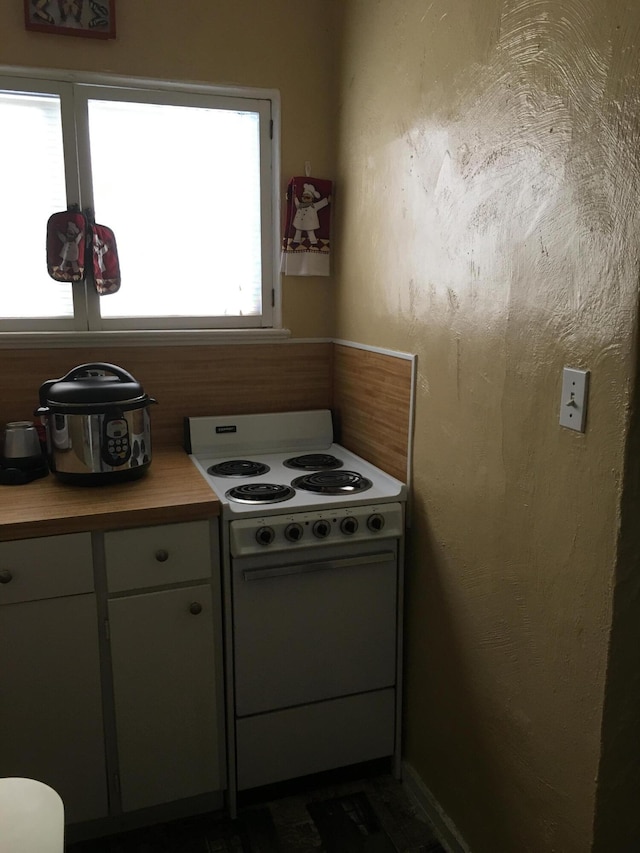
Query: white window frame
x=75, y=89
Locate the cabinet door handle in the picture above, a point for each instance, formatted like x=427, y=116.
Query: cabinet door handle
x=5, y=576
x=162, y=556
x=195, y=607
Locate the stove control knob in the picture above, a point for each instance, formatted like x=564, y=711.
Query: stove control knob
x=349, y=525
x=265, y=535
x=293, y=532
x=321, y=529
x=375, y=522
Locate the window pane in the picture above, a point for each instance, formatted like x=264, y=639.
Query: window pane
x=180, y=186
x=33, y=187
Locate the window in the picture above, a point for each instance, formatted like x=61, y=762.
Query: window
x=185, y=177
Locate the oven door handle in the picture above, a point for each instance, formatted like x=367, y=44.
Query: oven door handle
x=305, y=568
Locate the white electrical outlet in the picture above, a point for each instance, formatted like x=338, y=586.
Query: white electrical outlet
x=573, y=404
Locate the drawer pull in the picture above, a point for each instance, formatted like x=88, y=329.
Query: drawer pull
x=195, y=607
x=162, y=556
x=5, y=576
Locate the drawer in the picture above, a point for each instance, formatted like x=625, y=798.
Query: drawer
x=47, y=567
x=313, y=738
x=157, y=556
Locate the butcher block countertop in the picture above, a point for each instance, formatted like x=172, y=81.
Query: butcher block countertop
x=172, y=490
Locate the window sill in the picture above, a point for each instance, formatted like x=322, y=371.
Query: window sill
x=163, y=337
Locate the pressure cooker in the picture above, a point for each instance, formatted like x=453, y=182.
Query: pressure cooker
x=97, y=425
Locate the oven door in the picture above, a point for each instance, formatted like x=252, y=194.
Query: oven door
x=319, y=627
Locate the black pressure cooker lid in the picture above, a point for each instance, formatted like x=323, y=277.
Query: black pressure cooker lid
x=90, y=385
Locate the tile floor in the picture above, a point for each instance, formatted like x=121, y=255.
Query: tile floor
x=366, y=814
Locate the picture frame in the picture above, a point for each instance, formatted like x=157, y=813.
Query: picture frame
x=85, y=18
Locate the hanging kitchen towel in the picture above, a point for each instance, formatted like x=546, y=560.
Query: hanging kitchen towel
x=66, y=233
x=306, y=248
x=104, y=259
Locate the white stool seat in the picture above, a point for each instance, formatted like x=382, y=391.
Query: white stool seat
x=31, y=817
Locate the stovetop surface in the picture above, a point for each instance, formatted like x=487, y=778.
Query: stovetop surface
x=384, y=488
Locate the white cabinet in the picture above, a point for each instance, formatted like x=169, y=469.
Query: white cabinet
x=166, y=662
x=51, y=715
x=110, y=667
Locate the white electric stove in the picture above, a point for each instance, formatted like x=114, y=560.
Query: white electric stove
x=312, y=545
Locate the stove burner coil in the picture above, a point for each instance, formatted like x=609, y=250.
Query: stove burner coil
x=238, y=468
x=332, y=482
x=260, y=493
x=313, y=462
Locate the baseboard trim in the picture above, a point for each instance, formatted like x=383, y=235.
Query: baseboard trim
x=426, y=803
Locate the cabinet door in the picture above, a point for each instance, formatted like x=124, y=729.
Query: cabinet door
x=164, y=677
x=51, y=702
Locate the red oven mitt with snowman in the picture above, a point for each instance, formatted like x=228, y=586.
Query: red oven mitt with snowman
x=104, y=259
x=66, y=236
x=77, y=247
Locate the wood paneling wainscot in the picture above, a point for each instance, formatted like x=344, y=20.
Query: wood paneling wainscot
x=369, y=392
x=372, y=406
x=185, y=380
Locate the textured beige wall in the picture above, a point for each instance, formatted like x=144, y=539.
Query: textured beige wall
x=490, y=171
x=279, y=45
x=486, y=215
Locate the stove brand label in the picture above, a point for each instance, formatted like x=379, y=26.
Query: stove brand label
x=230, y=428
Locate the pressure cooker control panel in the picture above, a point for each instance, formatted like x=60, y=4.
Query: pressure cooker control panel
x=116, y=448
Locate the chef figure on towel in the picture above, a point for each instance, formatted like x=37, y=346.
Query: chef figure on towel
x=306, y=218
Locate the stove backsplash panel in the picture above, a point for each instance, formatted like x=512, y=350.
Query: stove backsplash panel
x=372, y=406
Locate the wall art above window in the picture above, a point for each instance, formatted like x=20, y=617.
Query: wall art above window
x=89, y=18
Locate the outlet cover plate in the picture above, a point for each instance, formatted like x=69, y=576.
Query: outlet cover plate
x=573, y=404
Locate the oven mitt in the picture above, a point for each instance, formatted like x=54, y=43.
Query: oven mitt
x=104, y=259
x=66, y=233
